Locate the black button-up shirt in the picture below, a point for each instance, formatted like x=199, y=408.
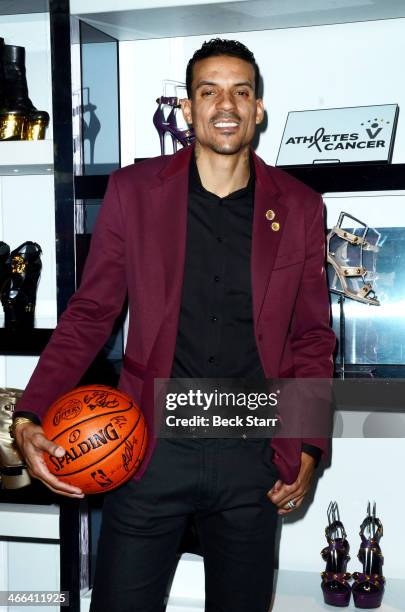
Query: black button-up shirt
x=216, y=335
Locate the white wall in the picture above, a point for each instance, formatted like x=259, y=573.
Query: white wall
x=303, y=68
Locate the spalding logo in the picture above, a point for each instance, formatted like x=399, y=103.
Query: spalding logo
x=68, y=411
x=74, y=436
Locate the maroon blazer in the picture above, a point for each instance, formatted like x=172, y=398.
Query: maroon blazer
x=138, y=247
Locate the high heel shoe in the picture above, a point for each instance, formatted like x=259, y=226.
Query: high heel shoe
x=19, y=292
x=4, y=264
x=352, y=258
x=368, y=587
x=335, y=586
x=169, y=124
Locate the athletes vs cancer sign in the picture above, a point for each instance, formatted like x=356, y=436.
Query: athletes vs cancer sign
x=338, y=135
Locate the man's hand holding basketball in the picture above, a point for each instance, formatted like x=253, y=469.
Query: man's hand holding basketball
x=32, y=443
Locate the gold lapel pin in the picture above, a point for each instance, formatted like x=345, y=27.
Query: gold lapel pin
x=275, y=226
x=270, y=214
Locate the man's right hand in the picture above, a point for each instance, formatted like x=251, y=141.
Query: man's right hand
x=32, y=443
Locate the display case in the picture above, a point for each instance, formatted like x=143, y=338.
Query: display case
x=36, y=195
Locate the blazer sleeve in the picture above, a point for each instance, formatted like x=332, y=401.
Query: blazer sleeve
x=312, y=339
x=87, y=322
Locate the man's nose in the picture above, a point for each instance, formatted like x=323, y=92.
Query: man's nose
x=226, y=101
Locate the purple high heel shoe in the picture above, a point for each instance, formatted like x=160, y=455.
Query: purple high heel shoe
x=368, y=587
x=335, y=586
x=169, y=124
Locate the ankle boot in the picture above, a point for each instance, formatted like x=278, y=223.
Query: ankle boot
x=20, y=119
x=20, y=290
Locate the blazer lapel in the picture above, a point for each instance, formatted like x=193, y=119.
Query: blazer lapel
x=269, y=218
x=168, y=205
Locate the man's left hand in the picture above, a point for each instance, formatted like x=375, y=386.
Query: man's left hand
x=282, y=493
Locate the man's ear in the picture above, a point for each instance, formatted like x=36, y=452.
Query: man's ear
x=259, y=111
x=186, y=110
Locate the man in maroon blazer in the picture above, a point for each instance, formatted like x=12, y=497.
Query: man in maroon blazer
x=222, y=258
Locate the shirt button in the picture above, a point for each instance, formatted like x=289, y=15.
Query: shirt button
x=214, y=319
x=211, y=359
x=216, y=279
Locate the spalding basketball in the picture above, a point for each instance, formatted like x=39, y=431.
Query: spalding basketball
x=104, y=434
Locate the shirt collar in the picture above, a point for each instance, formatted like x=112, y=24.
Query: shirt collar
x=195, y=184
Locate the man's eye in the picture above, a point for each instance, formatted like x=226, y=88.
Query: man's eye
x=242, y=92
x=208, y=92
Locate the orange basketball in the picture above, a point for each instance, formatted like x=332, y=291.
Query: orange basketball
x=104, y=434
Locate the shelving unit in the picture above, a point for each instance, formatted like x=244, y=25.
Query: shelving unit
x=37, y=203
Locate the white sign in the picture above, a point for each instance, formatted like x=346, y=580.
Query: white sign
x=339, y=135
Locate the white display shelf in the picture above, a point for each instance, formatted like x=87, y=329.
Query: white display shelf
x=143, y=19
x=294, y=591
x=29, y=521
x=24, y=157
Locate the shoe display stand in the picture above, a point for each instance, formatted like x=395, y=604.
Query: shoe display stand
x=68, y=188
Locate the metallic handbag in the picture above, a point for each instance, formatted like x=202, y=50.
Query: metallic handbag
x=13, y=472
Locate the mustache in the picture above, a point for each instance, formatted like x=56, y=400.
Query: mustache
x=228, y=116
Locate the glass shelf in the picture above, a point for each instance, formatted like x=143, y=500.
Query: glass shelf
x=23, y=7
x=26, y=157
x=160, y=19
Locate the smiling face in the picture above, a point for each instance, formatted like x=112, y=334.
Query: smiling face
x=223, y=109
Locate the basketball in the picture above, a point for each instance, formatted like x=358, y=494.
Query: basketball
x=104, y=434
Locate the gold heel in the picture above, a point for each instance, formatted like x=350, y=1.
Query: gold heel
x=36, y=125
x=12, y=125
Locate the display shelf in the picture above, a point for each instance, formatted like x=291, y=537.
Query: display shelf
x=375, y=393
x=301, y=591
x=31, y=342
x=26, y=157
x=294, y=591
x=170, y=18
x=29, y=521
x=324, y=179
x=350, y=177
x=23, y=7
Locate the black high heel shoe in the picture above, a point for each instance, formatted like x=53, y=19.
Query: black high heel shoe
x=335, y=586
x=18, y=295
x=4, y=264
x=368, y=586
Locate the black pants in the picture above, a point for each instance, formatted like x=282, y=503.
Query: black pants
x=222, y=483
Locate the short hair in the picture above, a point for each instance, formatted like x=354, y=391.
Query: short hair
x=220, y=46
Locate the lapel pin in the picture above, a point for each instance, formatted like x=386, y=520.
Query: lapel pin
x=270, y=214
x=275, y=226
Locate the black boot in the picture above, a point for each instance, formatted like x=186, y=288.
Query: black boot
x=16, y=89
x=4, y=264
x=17, y=102
x=20, y=290
x=2, y=85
